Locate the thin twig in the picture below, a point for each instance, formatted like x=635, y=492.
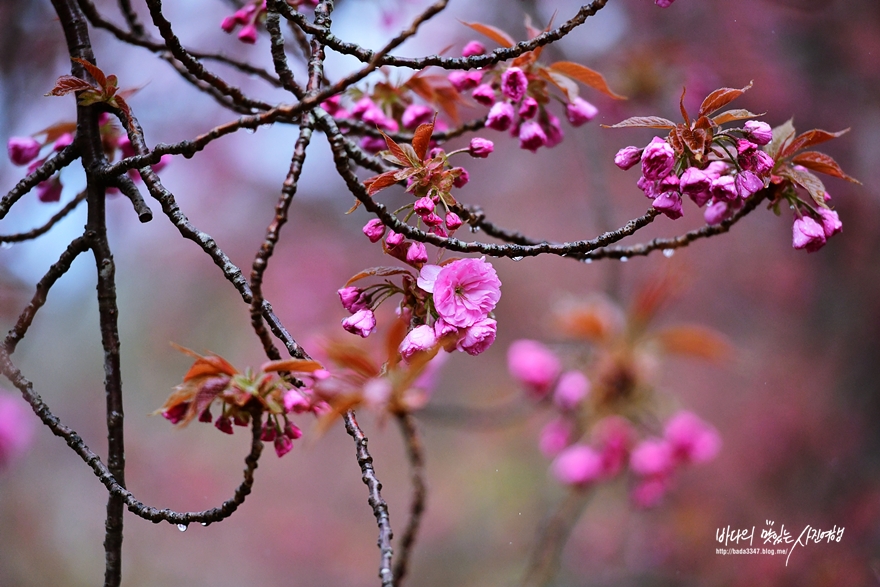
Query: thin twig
x=67, y=156
x=40, y=230
x=552, y=538
x=416, y=457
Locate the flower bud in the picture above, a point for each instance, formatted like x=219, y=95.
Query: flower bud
x=669, y=203
x=393, y=239
x=807, y=234
x=224, y=424
x=416, y=114
x=374, y=229
x=500, y=116
x=657, y=159
x=416, y=254
x=423, y=206
x=453, y=221
x=715, y=213
x=528, y=108
x=248, y=34
x=420, y=338
x=514, y=83
x=531, y=136
x=22, y=150
x=464, y=80
x=462, y=178
x=478, y=337
x=579, y=464
x=481, y=147
x=473, y=48
x=759, y=132
x=579, y=112
x=831, y=223
x=627, y=157
x=49, y=190
x=362, y=323
x=484, y=94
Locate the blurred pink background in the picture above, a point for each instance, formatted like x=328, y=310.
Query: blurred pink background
x=798, y=407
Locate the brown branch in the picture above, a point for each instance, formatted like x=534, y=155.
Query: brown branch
x=40, y=230
x=380, y=508
x=552, y=538
x=67, y=156
x=415, y=456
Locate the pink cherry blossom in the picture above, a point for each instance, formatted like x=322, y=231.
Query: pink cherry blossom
x=420, y=338
x=416, y=254
x=807, y=234
x=691, y=439
x=374, y=229
x=480, y=147
x=554, y=437
x=478, y=337
x=759, y=132
x=532, y=136
x=500, y=116
x=484, y=94
x=528, y=108
x=362, y=323
x=465, y=291
x=627, y=157
x=831, y=223
x=571, y=389
x=473, y=48
x=579, y=112
x=416, y=114
x=652, y=457
x=22, y=150
x=514, y=83
x=453, y=221
x=657, y=159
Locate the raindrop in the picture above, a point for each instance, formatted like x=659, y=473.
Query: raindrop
x=588, y=260
x=182, y=527
x=624, y=259
x=475, y=228
x=251, y=130
x=516, y=258
x=668, y=252
x=204, y=523
x=6, y=245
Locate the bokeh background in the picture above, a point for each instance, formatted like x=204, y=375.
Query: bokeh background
x=797, y=405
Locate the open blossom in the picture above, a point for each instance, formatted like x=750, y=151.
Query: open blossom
x=579, y=464
x=807, y=234
x=478, y=337
x=362, y=323
x=533, y=365
x=465, y=291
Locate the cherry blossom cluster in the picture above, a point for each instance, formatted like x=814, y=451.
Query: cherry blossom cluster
x=721, y=178
x=812, y=227
x=449, y=305
x=213, y=381
x=26, y=151
x=587, y=449
x=518, y=98
x=249, y=16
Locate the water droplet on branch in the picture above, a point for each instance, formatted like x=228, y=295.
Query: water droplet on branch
x=668, y=252
x=182, y=527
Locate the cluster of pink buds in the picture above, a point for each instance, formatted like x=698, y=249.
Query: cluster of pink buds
x=250, y=15
x=517, y=98
x=212, y=380
x=26, y=151
x=664, y=3
x=585, y=454
x=735, y=169
x=813, y=227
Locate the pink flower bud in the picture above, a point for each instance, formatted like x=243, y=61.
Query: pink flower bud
x=553, y=130
x=453, y=222
x=762, y=163
x=352, y=298
x=49, y=190
x=416, y=254
x=283, y=445
x=669, y=203
x=176, y=413
x=691, y=439
x=362, y=323
x=807, y=234
x=528, y=108
x=500, y=116
x=63, y=141
x=514, y=83
x=627, y=157
x=831, y=223
x=292, y=431
x=464, y=80
x=332, y=105
x=747, y=183
x=694, y=181
x=716, y=213
x=716, y=169
x=423, y=206
x=652, y=457
x=579, y=112
x=362, y=106
x=571, y=389
x=228, y=24
x=268, y=433
x=416, y=114
x=224, y=424
x=373, y=144
x=759, y=132
x=533, y=365
x=484, y=94
x=432, y=219
x=664, y=3
x=723, y=188
x=248, y=34
x=473, y=48
x=649, y=492
x=532, y=136
x=481, y=147
x=22, y=150
x=443, y=328
x=657, y=159
x=461, y=178
x=648, y=186
x=554, y=437
x=420, y=338
x=478, y=337
x=295, y=402
x=579, y=464
x=374, y=229
x=394, y=239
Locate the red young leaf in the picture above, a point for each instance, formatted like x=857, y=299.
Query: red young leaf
x=781, y=135
x=378, y=183
x=68, y=83
x=395, y=149
x=696, y=341
x=54, y=132
x=94, y=71
x=422, y=138
x=643, y=122
x=377, y=272
x=823, y=164
x=493, y=33
x=684, y=113
x=721, y=98
x=810, y=138
x=731, y=115
x=586, y=76
x=295, y=365
x=565, y=84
